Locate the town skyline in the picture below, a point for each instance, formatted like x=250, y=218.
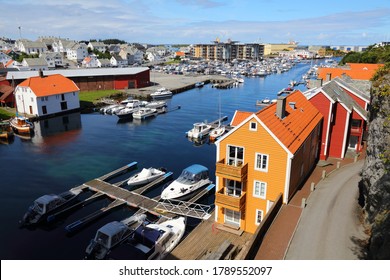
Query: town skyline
x=200, y=21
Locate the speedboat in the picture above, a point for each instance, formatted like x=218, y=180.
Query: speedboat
x=111, y=235
x=156, y=241
x=144, y=113
x=126, y=113
x=21, y=125
x=199, y=130
x=145, y=176
x=161, y=93
x=199, y=84
x=47, y=204
x=192, y=179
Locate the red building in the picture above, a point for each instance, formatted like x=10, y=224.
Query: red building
x=344, y=103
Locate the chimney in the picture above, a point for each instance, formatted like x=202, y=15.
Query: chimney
x=328, y=77
x=40, y=71
x=281, y=107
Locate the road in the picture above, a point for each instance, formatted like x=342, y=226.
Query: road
x=329, y=228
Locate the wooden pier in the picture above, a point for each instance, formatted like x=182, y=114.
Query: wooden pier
x=135, y=199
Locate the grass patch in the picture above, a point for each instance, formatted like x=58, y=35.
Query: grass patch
x=5, y=114
x=91, y=96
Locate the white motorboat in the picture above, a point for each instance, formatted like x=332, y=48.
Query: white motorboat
x=145, y=176
x=192, y=179
x=156, y=241
x=156, y=104
x=144, y=113
x=161, y=93
x=126, y=113
x=199, y=84
x=199, y=130
x=111, y=235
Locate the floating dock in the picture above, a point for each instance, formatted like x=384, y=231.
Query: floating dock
x=135, y=199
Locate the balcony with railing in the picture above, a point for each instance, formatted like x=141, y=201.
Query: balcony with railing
x=232, y=172
x=223, y=199
x=356, y=130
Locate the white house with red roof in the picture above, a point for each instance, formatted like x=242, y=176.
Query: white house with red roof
x=47, y=95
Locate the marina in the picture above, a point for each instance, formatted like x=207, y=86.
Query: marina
x=77, y=150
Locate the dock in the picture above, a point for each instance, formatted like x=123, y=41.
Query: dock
x=135, y=199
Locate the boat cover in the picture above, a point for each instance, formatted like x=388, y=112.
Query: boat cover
x=113, y=228
x=196, y=168
x=147, y=236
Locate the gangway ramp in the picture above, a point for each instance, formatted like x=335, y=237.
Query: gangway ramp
x=184, y=208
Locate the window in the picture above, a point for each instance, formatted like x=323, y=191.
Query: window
x=44, y=110
x=253, y=126
x=233, y=188
x=64, y=106
x=261, y=162
x=356, y=123
x=232, y=217
x=259, y=216
x=235, y=156
x=260, y=189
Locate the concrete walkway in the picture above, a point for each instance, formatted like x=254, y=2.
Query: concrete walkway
x=279, y=236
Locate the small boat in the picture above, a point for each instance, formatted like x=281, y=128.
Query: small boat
x=47, y=204
x=156, y=241
x=192, y=179
x=21, y=125
x=217, y=132
x=199, y=130
x=144, y=113
x=126, y=113
x=111, y=235
x=156, y=104
x=161, y=93
x=266, y=101
x=5, y=132
x=145, y=176
x=199, y=84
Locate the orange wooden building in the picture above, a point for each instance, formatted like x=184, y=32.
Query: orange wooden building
x=265, y=154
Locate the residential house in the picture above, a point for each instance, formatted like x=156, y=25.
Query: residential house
x=136, y=55
x=6, y=93
x=90, y=62
x=344, y=104
x=76, y=51
x=61, y=45
x=118, y=61
x=103, y=62
x=30, y=47
x=97, y=46
x=54, y=60
x=266, y=154
x=114, y=49
x=4, y=58
x=35, y=63
x=152, y=56
x=47, y=95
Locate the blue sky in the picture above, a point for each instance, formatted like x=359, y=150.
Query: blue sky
x=329, y=22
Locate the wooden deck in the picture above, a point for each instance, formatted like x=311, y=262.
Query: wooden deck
x=206, y=241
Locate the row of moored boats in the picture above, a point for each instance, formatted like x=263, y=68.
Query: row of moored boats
x=146, y=239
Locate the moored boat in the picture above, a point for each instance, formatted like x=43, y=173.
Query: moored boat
x=161, y=94
x=111, y=235
x=157, y=240
x=144, y=113
x=145, y=176
x=199, y=130
x=21, y=125
x=192, y=179
x=217, y=132
x=47, y=204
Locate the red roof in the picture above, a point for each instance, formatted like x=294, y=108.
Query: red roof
x=295, y=127
x=357, y=71
x=50, y=85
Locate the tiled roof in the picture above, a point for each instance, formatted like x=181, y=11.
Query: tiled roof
x=298, y=123
x=50, y=85
x=357, y=71
x=239, y=116
x=294, y=128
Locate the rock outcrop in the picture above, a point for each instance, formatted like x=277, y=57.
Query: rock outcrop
x=375, y=183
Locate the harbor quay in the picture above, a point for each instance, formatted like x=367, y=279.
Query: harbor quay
x=175, y=83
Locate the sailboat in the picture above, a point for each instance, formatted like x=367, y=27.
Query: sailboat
x=220, y=129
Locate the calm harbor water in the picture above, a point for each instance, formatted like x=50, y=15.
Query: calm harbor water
x=70, y=150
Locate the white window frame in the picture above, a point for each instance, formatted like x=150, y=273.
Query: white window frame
x=261, y=184
x=257, y=215
x=233, y=217
x=256, y=160
x=250, y=126
x=235, y=161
